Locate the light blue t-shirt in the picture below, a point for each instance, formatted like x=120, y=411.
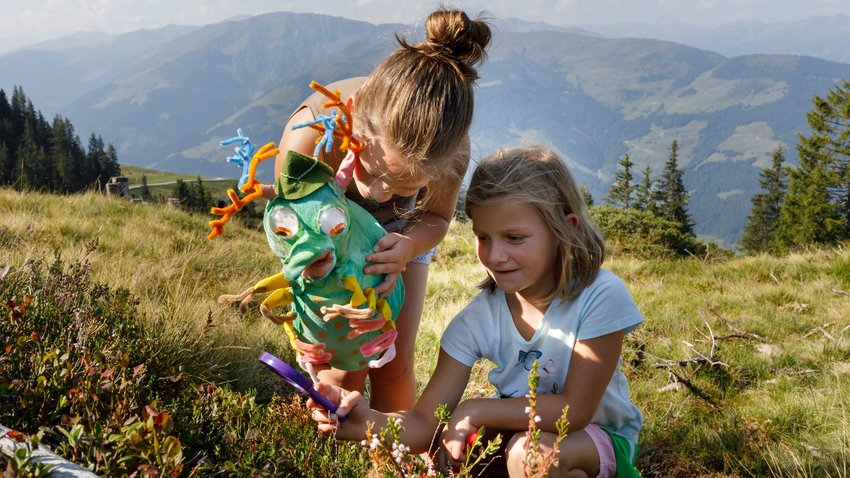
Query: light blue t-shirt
x=485, y=329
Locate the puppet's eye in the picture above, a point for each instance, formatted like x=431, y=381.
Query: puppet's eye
x=333, y=221
x=284, y=223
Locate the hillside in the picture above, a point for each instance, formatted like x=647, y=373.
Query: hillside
x=592, y=98
x=740, y=368
x=819, y=36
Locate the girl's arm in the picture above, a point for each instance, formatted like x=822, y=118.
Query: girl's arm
x=592, y=365
x=445, y=386
x=395, y=250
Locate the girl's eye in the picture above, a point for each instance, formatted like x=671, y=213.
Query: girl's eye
x=333, y=221
x=515, y=238
x=284, y=223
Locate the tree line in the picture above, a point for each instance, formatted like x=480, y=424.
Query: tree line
x=808, y=205
x=39, y=155
x=48, y=156
x=648, y=216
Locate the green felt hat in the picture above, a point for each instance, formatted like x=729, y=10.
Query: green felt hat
x=301, y=176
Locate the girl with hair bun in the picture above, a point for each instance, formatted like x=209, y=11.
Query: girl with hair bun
x=412, y=115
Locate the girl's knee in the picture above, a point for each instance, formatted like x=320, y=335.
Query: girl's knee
x=515, y=454
x=515, y=457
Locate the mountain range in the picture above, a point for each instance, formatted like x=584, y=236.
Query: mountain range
x=166, y=97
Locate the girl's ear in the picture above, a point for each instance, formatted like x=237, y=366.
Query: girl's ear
x=573, y=220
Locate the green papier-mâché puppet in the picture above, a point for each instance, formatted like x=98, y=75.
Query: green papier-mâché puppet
x=331, y=313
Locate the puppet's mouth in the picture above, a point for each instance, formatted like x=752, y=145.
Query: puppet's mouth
x=321, y=267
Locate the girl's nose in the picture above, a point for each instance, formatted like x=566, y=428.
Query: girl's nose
x=496, y=254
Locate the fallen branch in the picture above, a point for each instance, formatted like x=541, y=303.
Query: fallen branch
x=667, y=364
x=736, y=332
x=820, y=328
x=844, y=292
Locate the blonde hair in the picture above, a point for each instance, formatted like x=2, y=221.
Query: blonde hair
x=535, y=175
x=419, y=100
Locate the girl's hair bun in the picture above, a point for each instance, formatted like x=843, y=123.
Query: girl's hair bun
x=452, y=36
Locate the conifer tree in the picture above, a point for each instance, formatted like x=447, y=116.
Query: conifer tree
x=671, y=196
x=585, y=193
x=5, y=138
x=110, y=167
x=202, y=197
x=817, y=208
x=4, y=159
x=95, y=158
x=644, y=192
x=183, y=193
x=622, y=189
x=21, y=169
x=760, y=233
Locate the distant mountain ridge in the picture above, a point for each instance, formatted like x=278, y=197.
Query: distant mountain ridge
x=593, y=99
x=820, y=37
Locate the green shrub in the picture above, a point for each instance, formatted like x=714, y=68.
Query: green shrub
x=80, y=368
x=642, y=234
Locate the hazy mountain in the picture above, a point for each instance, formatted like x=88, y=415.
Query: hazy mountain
x=592, y=98
x=821, y=37
x=56, y=72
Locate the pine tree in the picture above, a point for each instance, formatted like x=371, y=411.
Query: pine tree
x=622, y=189
x=671, y=196
x=760, y=233
x=4, y=159
x=644, y=192
x=92, y=170
x=202, y=197
x=110, y=166
x=585, y=193
x=817, y=208
x=5, y=138
x=184, y=194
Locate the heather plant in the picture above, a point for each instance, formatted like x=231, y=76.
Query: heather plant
x=21, y=462
x=80, y=367
x=537, y=464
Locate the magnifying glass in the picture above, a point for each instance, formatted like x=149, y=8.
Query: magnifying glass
x=294, y=378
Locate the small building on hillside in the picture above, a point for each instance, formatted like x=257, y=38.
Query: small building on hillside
x=118, y=186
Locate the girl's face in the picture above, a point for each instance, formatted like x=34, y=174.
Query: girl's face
x=382, y=173
x=516, y=246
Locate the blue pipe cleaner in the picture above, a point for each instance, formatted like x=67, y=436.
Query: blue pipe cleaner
x=243, y=155
x=329, y=124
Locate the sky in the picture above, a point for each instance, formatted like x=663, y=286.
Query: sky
x=27, y=21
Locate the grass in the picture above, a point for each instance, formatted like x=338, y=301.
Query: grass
x=161, y=183
x=742, y=367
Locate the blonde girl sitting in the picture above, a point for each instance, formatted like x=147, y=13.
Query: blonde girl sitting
x=545, y=298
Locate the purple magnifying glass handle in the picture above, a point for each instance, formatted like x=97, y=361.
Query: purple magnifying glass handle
x=294, y=378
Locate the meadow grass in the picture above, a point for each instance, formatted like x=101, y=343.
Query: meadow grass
x=741, y=368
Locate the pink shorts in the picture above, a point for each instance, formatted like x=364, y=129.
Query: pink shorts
x=607, y=460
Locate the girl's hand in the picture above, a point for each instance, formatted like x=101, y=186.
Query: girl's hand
x=453, y=438
x=351, y=405
x=392, y=253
